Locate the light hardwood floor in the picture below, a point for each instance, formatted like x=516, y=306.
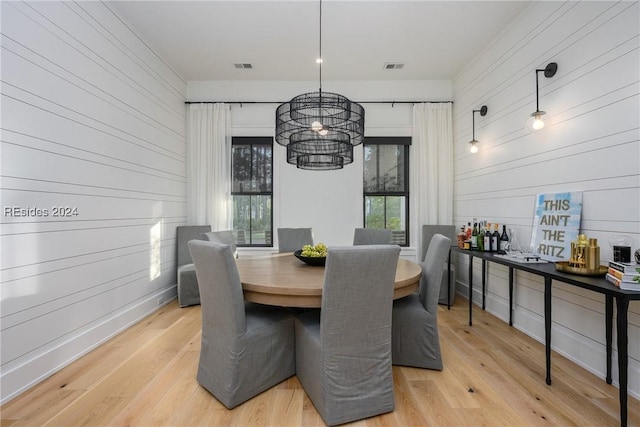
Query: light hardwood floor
x=493, y=376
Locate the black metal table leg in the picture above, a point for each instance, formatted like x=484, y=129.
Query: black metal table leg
x=622, y=304
x=547, y=325
x=449, y=281
x=510, y=296
x=470, y=290
x=609, y=333
x=484, y=284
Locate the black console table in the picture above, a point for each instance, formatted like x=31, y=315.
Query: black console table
x=596, y=284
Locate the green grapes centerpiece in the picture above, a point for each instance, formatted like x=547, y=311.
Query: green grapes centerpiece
x=317, y=251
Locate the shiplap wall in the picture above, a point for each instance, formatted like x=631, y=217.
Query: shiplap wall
x=92, y=120
x=590, y=144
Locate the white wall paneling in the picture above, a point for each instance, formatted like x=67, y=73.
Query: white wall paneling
x=92, y=120
x=590, y=143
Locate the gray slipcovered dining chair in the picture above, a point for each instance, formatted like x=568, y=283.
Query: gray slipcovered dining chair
x=246, y=347
x=428, y=231
x=292, y=239
x=187, y=288
x=371, y=236
x=223, y=236
x=343, y=351
x=415, y=340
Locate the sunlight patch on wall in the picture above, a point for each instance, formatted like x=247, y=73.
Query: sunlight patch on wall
x=155, y=247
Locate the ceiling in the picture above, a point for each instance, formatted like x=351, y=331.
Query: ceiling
x=202, y=40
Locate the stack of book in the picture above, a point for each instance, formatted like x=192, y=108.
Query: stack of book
x=624, y=275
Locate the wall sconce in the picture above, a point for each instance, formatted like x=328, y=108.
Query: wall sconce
x=474, y=144
x=535, y=121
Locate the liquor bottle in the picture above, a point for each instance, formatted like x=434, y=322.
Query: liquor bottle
x=504, y=239
x=495, y=238
x=474, y=236
x=462, y=236
x=481, y=234
x=488, y=247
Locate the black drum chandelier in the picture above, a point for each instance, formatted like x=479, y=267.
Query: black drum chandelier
x=320, y=129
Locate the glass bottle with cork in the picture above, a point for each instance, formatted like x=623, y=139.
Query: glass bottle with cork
x=495, y=238
x=503, y=245
x=474, y=235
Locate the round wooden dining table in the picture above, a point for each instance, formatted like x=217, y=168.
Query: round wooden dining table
x=284, y=280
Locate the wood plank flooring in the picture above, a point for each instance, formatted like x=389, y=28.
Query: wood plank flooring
x=493, y=376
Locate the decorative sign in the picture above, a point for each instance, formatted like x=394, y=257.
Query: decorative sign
x=556, y=224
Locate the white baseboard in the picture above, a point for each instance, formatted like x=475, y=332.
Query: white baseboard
x=35, y=370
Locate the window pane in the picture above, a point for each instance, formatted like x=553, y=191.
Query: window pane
x=385, y=212
x=241, y=217
x=252, y=219
x=374, y=212
x=395, y=218
x=251, y=168
x=261, y=168
x=370, y=171
x=260, y=220
x=394, y=212
x=384, y=168
x=241, y=168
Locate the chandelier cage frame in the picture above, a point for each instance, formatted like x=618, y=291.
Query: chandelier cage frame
x=320, y=162
x=320, y=128
x=310, y=148
x=336, y=113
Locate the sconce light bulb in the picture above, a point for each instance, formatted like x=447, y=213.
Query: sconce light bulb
x=323, y=131
x=474, y=146
x=536, y=121
x=319, y=61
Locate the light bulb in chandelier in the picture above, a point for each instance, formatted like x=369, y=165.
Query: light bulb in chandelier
x=320, y=128
x=316, y=126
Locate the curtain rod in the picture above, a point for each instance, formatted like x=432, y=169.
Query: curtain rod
x=282, y=102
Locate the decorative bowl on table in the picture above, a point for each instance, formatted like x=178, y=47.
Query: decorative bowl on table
x=317, y=261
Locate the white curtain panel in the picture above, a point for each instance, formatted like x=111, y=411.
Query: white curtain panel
x=432, y=166
x=209, y=165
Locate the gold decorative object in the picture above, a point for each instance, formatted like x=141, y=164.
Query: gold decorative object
x=585, y=258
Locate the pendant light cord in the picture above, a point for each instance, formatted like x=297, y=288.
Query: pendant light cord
x=320, y=47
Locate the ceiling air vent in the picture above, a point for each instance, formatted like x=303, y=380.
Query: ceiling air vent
x=241, y=66
x=393, y=66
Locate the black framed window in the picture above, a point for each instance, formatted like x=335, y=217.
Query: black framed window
x=252, y=190
x=386, y=185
